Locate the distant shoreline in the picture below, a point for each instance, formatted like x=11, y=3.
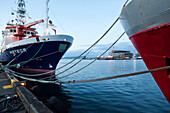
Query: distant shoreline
x=100, y=58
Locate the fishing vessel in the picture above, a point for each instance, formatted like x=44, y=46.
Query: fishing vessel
x=25, y=51
x=147, y=23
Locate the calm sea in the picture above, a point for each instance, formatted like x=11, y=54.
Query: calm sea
x=125, y=95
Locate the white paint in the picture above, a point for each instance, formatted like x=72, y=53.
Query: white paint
x=33, y=40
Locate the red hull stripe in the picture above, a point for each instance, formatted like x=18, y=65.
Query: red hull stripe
x=33, y=71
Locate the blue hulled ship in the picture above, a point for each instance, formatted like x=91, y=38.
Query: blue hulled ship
x=24, y=51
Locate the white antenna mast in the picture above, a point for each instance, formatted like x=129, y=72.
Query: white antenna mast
x=46, y=20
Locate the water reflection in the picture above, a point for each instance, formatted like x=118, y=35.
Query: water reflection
x=124, y=66
x=121, y=66
x=134, y=65
x=112, y=65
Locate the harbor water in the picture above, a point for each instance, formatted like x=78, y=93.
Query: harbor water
x=131, y=94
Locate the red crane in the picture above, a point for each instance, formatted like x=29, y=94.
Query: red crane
x=20, y=33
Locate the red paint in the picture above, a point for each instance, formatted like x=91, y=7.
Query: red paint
x=54, y=31
x=19, y=32
x=154, y=47
x=33, y=23
x=14, y=27
x=33, y=36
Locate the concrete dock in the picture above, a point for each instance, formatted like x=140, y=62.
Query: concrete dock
x=9, y=85
x=6, y=89
x=5, y=84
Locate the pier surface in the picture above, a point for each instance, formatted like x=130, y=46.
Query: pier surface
x=5, y=81
x=7, y=89
x=10, y=86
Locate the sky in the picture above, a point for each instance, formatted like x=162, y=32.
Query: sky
x=85, y=20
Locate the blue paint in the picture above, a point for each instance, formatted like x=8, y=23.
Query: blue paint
x=35, y=51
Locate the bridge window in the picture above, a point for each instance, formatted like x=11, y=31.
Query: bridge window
x=28, y=32
x=11, y=30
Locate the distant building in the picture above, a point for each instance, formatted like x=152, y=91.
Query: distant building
x=117, y=55
x=137, y=56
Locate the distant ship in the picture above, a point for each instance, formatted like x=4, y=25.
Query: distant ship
x=24, y=51
x=147, y=23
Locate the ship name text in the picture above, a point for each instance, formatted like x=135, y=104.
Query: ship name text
x=18, y=51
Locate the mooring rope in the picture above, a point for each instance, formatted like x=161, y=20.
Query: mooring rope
x=84, y=51
x=90, y=62
x=91, y=45
x=16, y=57
x=22, y=63
x=34, y=54
x=28, y=75
x=31, y=79
x=118, y=76
x=35, y=58
x=93, y=80
x=125, y=3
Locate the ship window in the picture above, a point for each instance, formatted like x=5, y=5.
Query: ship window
x=14, y=30
x=11, y=30
x=32, y=33
x=28, y=32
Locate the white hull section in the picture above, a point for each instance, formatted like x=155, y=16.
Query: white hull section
x=65, y=38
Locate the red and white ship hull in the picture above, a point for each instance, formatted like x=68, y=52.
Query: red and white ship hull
x=147, y=24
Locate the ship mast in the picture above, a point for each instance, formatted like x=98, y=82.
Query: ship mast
x=47, y=18
x=21, y=10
